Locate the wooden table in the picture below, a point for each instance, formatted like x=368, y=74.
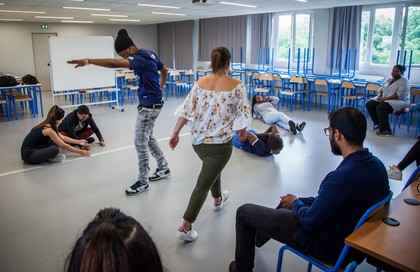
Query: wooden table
x=397, y=246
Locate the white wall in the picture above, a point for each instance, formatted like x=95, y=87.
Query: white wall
x=16, y=53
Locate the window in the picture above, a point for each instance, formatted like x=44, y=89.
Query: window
x=284, y=40
x=389, y=33
x=292, y=31
x=364, y=36
x=412, y=36
x=382, y=35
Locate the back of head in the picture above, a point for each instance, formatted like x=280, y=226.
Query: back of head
x=351, y=122
x=54, y=114
x=122, y=41
x=114, y=242
x=220, y=57
x=83, y=109
x=275, y=142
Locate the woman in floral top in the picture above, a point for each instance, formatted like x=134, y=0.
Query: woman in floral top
x=215, y=109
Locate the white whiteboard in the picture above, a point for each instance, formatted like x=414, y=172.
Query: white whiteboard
x=65, y=77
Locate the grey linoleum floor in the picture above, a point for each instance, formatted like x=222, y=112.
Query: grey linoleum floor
x=44, y=208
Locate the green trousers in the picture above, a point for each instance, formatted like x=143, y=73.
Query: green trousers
x=214, y=158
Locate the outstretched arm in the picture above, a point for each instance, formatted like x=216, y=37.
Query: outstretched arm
x=107, y=63
x=60, y=143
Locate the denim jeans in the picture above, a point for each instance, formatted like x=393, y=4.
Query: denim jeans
x=214, y=158
x=145, y=141
x=254, y=221
x=278, y=118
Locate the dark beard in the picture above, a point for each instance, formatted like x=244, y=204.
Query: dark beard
x=335, y=149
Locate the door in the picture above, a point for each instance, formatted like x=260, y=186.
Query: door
x=41, y=47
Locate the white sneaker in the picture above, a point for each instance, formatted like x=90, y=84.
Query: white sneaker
x=59, y=158
x=189, y=236
x=394, y=173
x=219, y=206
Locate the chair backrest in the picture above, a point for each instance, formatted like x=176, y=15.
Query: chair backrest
x=267, y=77
x=276, y=77
x=368, y=214
x=414, y=176
x=255, y=75
x=348, y=85
x=321, y=82
x=373, y=209
x=189, y=72
x=297, y=79
x=373, y=87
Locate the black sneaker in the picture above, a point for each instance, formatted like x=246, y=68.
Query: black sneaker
x=385, y=133
x=160, y=174
x=301, y=126
x=137, y=188
x=292, y=126
x=376, y=127
x=90, y=140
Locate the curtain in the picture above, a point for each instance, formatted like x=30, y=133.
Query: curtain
x=261, y=29
x=229, y=32
x=184, y=44
x=166, y=44
x=345, y=35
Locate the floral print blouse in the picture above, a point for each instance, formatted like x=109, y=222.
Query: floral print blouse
x=215, y=116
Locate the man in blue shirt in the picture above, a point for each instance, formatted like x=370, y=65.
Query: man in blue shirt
x=261, y=144
x=318, y=225
x=146, y=66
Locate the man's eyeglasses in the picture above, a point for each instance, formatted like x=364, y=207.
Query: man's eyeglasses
x=327, y=131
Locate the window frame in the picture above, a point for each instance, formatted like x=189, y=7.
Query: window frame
x=399, y=29
x=293, y=56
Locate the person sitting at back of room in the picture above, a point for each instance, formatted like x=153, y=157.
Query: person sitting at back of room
x=79, y=124
x=263, y=108
x=261, y=144
x=114, y=242
x=43, y=142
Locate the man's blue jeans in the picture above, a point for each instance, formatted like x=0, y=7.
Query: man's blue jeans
x=145, y=141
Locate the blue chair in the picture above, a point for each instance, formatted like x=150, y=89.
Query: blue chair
x=337, y=266
x=296, y=88
x=3, y=101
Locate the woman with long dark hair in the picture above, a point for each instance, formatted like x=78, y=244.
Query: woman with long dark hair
x=43, y=141
x=263, y=108
x=114, y=242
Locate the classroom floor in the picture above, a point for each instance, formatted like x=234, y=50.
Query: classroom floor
x=44, y=208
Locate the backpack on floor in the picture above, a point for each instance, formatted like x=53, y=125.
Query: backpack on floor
x=8, y=81
x=29, y=80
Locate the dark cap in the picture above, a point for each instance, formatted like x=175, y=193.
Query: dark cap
x=123, y=41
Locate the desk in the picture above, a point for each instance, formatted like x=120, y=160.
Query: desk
x=30, y=90
x=398, y=246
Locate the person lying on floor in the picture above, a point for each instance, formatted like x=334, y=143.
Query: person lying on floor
x=261, y=144
x=263, y=108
